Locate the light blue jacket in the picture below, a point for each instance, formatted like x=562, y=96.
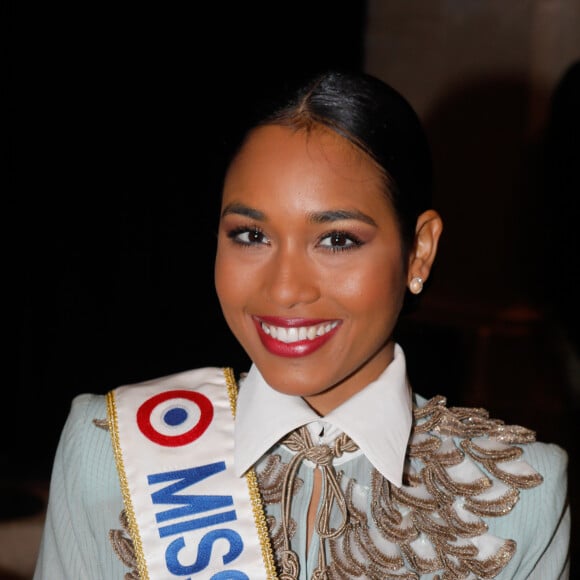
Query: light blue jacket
x=85, y=503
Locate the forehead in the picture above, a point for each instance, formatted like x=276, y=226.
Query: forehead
x=300, y=162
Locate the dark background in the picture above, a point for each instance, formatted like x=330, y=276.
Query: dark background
x=114, y=126
x=118, y=122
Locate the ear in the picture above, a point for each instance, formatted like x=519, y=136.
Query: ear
x=427, y=232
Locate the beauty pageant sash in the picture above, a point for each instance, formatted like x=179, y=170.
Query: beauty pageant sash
x=189, y=516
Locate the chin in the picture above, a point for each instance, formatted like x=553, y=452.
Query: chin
x=288, y=383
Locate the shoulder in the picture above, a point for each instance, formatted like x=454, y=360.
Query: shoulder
x=474, y=426
x=84, y=446
x=88, y=409
x=86, y=428
x=87, y=412
x=516, y=484
x=550, y=459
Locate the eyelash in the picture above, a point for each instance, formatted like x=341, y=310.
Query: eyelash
x=256, y=232
x=235, y=233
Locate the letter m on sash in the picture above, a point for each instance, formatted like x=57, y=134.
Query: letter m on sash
x=189, y=504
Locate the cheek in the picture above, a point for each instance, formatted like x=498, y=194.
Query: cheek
x=372, y=291
x=233, y=280
x=222, y=276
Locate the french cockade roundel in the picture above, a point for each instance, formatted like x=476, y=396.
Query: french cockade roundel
x=175, y=418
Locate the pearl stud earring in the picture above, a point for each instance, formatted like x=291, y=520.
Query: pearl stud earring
x=416, y=285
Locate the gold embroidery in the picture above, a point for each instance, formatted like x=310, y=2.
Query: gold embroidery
x=271, y=480
x=370, y=560
x=462, y=466
x=332, y=495
x=124, y=548
x=101, y=424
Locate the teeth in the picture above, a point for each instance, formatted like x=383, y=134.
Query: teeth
x=294, y=334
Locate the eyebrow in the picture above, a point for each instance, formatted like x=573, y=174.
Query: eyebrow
x=241, y=209
x=323, y=217
x=318, y=217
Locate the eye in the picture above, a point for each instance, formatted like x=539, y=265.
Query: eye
x=248, y=236
x=339, y=241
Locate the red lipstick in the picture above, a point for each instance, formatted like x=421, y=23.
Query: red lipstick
x=295, y=348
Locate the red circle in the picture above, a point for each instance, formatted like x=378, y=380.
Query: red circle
x=205, y=418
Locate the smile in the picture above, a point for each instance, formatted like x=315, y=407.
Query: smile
x=294, y=337
x=298, y=333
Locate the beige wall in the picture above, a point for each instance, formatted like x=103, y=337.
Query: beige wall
x=480, y=73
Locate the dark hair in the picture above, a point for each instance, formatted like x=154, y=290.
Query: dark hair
x=374, y=117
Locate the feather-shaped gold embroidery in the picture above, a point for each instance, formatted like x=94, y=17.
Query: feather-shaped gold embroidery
x=462, y=466
x=271, y=480
x=124, y=548
x=101, y=424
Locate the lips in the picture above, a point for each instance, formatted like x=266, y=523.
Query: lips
x=293, y=337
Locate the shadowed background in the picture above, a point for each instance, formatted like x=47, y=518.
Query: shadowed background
x=117, y=121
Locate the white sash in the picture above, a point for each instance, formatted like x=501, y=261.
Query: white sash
x=190, y=517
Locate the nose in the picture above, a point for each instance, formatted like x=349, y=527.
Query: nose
x=292, y=279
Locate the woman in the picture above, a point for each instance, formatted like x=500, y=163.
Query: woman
x=325, y=232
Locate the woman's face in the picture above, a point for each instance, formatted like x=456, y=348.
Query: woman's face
x=309, y=269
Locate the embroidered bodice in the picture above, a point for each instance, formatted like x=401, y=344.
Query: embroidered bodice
x=462, y=468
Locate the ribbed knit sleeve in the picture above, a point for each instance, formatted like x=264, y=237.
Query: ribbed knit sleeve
x=84, y=501
x=540, y=522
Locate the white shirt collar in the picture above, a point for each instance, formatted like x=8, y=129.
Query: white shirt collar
x=264, y=416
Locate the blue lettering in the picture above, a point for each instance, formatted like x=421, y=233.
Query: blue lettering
x=213, y=520
x=191, y=475
x=196, y=505
x=190, y=504
x=204, y=554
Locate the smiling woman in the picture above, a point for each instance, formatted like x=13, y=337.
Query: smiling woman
x=311, y=237
x=332, y=466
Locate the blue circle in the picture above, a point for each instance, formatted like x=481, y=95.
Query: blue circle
x=175, y=416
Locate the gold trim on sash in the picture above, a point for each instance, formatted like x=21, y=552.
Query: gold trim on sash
x=257, y=507
x=133, y=528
